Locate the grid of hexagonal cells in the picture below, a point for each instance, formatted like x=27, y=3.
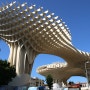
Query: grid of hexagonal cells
x=30, y=31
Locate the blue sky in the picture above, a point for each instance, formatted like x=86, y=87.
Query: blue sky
x=76, y=15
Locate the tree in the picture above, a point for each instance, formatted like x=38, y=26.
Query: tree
x=49, y=81
x=71, y=83
x=7, y=72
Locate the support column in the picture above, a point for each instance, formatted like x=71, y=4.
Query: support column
x=23, y=60
x=14, y=54
x=10, y=59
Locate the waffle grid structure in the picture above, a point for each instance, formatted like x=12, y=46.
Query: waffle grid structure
x=30, y=31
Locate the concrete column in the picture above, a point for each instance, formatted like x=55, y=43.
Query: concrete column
x=20, y=67
x=18, y=60
x=14, y=54
x=10, y=60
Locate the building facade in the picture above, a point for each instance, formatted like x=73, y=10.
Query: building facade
x=34, y=82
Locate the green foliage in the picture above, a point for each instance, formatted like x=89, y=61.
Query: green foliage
x=49, y=81
x=7, y=72
x=71, y=83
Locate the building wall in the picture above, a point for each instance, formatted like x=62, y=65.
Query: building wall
x=36, y=82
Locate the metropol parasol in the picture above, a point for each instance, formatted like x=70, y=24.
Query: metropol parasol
x=30, y=31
